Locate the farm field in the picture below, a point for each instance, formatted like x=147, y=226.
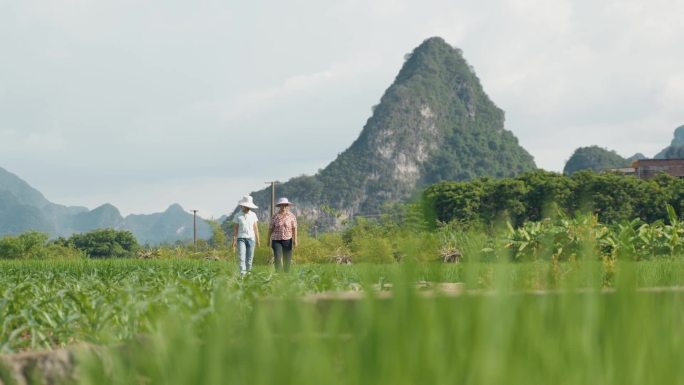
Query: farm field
x=183, y=321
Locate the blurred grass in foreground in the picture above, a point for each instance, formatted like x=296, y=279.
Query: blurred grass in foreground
x=573, y=334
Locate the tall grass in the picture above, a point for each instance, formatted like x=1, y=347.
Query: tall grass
x=578, y=335
x=181, y=322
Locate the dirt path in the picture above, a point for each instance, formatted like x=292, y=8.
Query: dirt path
x=45, y=367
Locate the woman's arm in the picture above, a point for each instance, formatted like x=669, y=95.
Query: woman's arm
x=294, y=236
x=256, y=233
x=270, y=230
x=235, y=232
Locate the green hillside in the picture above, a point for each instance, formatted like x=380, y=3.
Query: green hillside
x=434, y=123
x=594, y=158
x=676, y=148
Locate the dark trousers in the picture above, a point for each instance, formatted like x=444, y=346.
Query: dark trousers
x=282, y=253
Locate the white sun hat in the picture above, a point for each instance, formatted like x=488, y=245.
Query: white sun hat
x=284, y=202
x=247, y=201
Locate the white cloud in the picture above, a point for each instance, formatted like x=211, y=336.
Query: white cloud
x=582, y=73
x=158, y=90
x=548, y=17
x=254, y=101
x=212, y=196
x=16, y=142
x=672, y=97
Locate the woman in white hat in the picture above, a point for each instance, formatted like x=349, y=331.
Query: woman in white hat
x=245, y=233
x=283, y=234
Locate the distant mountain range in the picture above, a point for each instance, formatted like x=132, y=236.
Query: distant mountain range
x=598, y=158
x=434, y=123
x=23, y=208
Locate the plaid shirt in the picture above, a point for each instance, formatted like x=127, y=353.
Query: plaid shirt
x=282, y=226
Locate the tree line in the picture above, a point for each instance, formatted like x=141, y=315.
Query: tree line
x=103, y=243
x=98, y=244
x=536, y=195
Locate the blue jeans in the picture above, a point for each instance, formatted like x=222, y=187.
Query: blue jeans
x=245, y=249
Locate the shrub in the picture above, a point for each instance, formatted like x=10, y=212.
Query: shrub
x=372, y=250
x=106, y=243
x=30, y=245
x=310, y=250
x=58, y=251
x=35, y=245
x=421, y=246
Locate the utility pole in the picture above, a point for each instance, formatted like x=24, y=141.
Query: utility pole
x=273, y=183
x=194, y=228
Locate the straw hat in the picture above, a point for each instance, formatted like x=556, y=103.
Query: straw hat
x=247, y=201
x=284, y=202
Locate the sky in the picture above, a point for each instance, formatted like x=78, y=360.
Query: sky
x=147, y=103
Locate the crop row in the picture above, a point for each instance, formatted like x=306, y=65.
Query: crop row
x=47, y=304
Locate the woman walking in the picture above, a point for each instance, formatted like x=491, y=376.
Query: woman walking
x=245, y=233
x=283, y=234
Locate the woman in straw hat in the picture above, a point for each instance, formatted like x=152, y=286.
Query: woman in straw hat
x=245, y=233
x=283, y=234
